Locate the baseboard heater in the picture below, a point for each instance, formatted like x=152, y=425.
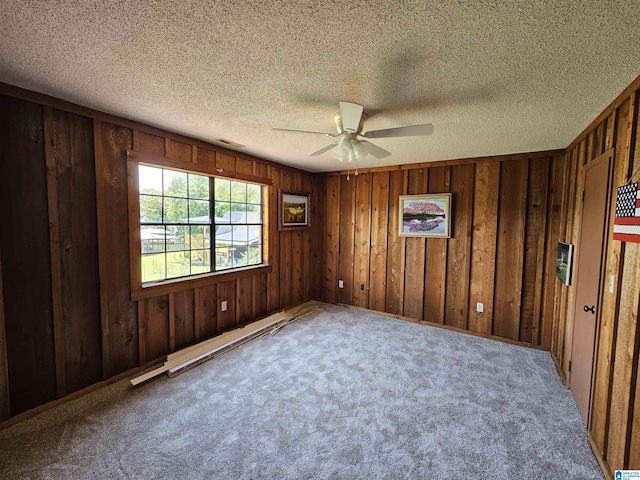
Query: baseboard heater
x=190, y=357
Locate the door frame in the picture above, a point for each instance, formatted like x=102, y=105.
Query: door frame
x=608, y=155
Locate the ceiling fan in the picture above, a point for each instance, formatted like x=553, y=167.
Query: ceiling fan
x=349, y=123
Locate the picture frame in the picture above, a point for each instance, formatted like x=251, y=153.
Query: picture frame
x=564, y=262
x=293, y=210
x=426, y=215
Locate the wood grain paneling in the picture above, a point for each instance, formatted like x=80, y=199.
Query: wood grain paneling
x=483, y=241
x=362, y=241
x=5, y=409
x=24, y=241
x=184, y=318
x=119, y=314
x=459, y=247
x=346, y=238
x=395, y=245
x=72, y=171
x=332, y=236
x=436, y=263
x=534, y=250
x=379, y=228
x=415, y=254
x=510, y=248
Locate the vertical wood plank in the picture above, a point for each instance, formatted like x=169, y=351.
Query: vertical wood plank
x=395, y=245
x=415, y=254
x=207, y=304
x=459, y=248
x=244, y=165
x=534, y=249
x=617, y=133
x=317, y=233
x=244, y=296
x=54, y=249
x=184, y=319
x=5, y=407
x=172, y=322
x=362, y=240
x=510, y=248
x=483, y=241
x=142, y=332
x=71, y=173
x=346, y=239
x=331, y=244
x=226, y=320
x=285, y=239
x=628, y=335
x=118, y=312
x=156, y=334
x=273, y=299
x=379, y=228
x=259, y=292
x=436, y=263
x=24, y=242
x=554, y=206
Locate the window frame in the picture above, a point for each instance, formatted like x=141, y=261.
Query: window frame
x=141, y=290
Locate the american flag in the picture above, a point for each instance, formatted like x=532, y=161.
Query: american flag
x=626, y=226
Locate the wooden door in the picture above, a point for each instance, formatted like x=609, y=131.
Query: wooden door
x=590, y=253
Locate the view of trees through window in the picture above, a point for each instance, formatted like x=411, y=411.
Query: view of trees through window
x=181, y=233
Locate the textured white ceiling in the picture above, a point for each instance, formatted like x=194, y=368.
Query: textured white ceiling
x=493, y=77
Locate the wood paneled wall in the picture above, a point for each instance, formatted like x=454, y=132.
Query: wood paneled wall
x=614, y=425
x=505, y=231
x=65, y=273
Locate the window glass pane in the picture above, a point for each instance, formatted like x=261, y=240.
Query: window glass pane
x=254, y=213
x=175, y=183
x=239, y=235
x=200, y=262
x=238, y=213
x=238, y=192
x=152, y=239
x=222, y=212
x=175, y=210
x=235, y=257
x=177, y=264
x=254, y=193
x=253, y=255
x=223, y=236
x=222, y=190
x=255, y=234
x=199, y=211
x=177, y=237
x=149, y=180
x=150, y=209
x=153, y=267
x=198, y=187
x=197, y=236
x=223, y=259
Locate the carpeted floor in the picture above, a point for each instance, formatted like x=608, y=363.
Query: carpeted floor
x=339, y=394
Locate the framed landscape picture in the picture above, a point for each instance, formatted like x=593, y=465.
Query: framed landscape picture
x=293, y=210
x=564, y=262
x=427, y=215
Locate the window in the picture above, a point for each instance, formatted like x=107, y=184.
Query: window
x=192, y=224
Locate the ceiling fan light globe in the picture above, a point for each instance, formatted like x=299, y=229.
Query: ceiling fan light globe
x=360, y=150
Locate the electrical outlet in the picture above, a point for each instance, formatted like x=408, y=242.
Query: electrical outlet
x=362, y=287
x=479, y=307
x=223, y=306
x=340, y=284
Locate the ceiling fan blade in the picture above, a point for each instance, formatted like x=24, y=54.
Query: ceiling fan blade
x=351, y=114
x=322, y=150
x=303, y=131
x=375, y=150
x=411, y=131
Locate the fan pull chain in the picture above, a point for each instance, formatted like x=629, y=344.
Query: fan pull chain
x=347, y=174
